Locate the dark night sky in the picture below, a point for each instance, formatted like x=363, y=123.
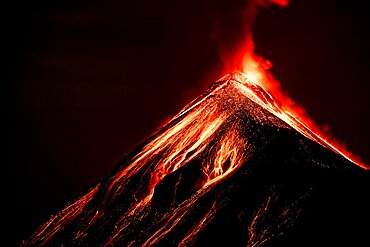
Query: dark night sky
x=87, y=80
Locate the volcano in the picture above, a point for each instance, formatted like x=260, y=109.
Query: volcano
x=233, y=168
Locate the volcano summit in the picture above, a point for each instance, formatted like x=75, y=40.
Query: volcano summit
x=233, y=168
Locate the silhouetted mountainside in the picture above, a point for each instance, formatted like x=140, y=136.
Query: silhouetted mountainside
x=231, y=169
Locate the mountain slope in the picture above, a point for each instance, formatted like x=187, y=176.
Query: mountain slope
x=232, y=168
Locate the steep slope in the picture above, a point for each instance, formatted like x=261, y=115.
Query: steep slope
x=233, y=168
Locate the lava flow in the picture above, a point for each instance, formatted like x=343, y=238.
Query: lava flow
x=159, y=187
x=208, y=129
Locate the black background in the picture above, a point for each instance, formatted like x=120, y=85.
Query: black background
x=87, y=80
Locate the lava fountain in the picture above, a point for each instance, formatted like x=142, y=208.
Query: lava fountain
x=211, y=168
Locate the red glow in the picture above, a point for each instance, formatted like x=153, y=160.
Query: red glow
x=207, y=128
x=282, y=3
x=256, y=69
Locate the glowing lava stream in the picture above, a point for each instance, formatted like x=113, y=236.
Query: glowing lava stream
x=195, y=129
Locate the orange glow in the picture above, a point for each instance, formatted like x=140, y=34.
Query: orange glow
x=209, y=129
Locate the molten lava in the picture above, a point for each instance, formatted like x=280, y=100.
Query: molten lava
x=219, y=132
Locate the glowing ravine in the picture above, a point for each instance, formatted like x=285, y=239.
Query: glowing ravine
x=207, y=127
